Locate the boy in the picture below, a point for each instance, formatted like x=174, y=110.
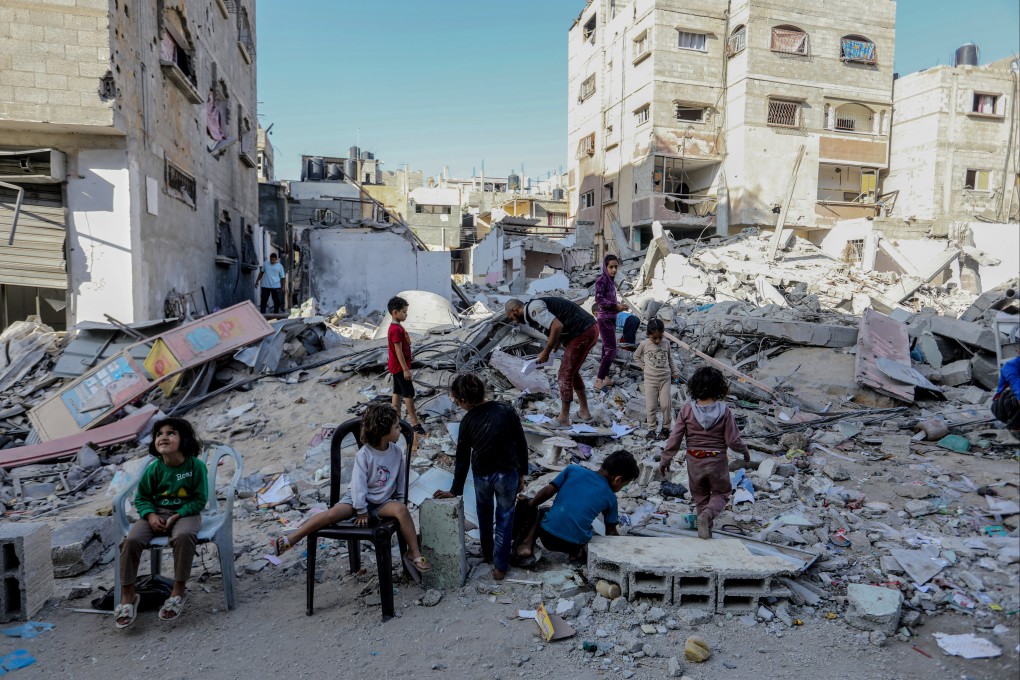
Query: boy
x=398, y=361
x=275, y=280
x=1005, y=406
x=581, y=496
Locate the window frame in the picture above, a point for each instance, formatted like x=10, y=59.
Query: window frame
x=609, y=192
x=585, y=146
x=690, y=106
x=799, y=122
x=189, y=198
x=704, y=41
x=859, y=39
x=644, y=39
x=740, y=31
x=586, y=200
x=777, y=48
x=245, y=36
x=588, y=34
x=997, y=99
x=643, y=114
x=586, y=92
x=978, y=173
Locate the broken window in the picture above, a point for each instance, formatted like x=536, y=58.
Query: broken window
x=176, y=56
x=783, y=113
x=245, y=137
x=423, y=209
x=586, y=146
x=641, y=115
x=217, y=112
x=245, y=36
x=642, y=46
x=249, y=258
x=325, y=216
x=690, y=112
x=857, y=49
x=179, y=184
x=977, y=180
x=789, y=40
x=853, y=251
x=607, y=192
x=668, y=176
x=588, y=32
x=692, y=41
x=587, y=88
x=587, y=199
x=985, y=103
x=226, y=248
x=737, y=42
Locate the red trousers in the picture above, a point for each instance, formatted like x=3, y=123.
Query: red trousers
x=709, y=480
x=574, y=354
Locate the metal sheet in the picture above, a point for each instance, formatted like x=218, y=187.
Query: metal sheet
x=882, y=336
x=36, y=258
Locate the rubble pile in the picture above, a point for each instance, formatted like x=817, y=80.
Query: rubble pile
x=878, y=478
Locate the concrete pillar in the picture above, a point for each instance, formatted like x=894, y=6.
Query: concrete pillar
x=442, y=542
x=26, y=570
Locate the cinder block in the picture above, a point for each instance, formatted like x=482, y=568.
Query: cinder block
x=741, y=592
x=656, y=586
x=608, y=571
x=442, y=542
x=78, y=545
x=26, y=570
x=697, y=591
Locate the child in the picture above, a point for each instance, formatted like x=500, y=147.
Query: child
x=606, y=309
x=581, y=496
x=655, y=357
x=1005, y=406
x=376, y=489
x=398, y=361
x=628, y=325
x=710, y=429
x=171, y=494
x=490, y=440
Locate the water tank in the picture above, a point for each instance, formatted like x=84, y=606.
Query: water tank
x=513, y=182
x=315, y=169
x=558, y=194
x=369, y=156
x=351, y=167
x=334, y=172
x=966, y=55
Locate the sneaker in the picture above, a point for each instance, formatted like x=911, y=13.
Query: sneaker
x=663, y=434
x=650, y=434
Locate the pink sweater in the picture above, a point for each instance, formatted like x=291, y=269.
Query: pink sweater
x=723, y=435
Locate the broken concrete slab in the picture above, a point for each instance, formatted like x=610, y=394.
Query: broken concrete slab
x=956, y=374
x=79, y=544
x=442, y=542
x=873, y=608
x=513, y=368
x=919, y=565
x=797, y=332
x=27, y=569
x=967, y=332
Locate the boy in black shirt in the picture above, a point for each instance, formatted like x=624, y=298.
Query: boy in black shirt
x=491, y=440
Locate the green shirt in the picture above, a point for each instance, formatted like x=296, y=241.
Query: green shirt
x=182, y=489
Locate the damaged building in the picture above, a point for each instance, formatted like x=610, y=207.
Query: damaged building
x=712, y=116
x=127, y=158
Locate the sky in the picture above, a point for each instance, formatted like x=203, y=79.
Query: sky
x=462, y=83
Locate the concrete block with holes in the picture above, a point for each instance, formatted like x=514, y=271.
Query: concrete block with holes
x=26, y=570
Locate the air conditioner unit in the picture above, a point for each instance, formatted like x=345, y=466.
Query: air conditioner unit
x=37, y=166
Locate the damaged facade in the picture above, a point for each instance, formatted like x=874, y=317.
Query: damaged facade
x=694, y=114
x=130, y=130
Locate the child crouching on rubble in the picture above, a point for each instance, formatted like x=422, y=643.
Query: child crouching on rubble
x=172, y=493
x=710, y=429
x=491, y=441
x=581, y=496
x=654, y=355
x=376, y=489
x=1006, y=403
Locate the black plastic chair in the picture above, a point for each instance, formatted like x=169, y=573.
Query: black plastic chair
x=380, y=532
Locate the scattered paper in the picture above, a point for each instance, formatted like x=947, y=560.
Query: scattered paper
x=969, y=646
x=276, y=492
x=1002, y=506
x=538, y=418
x=527, y=613
x=620, y=430
x=272, y=559
x=454, y=430
x=581, y=428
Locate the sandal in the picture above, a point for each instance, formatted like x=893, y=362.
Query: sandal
x=418, y=429
x=412, y=570
x=173, y=606
x=128, y=611
x=281, y=545
x=420, y=563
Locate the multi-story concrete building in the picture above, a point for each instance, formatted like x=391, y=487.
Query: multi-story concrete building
x=955, y=144
x=694, y=113
x=128, y=129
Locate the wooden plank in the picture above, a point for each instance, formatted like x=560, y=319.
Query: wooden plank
x=777, y=237
x=115, y=433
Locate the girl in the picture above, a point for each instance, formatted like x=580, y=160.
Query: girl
x=655, y=357
x=710, y=429
x=376, y=489
x=171, y=494
x=606, y=309
x=491, y=440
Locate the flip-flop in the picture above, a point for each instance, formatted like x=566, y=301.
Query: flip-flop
x=587, y=420
x=281, y=545
x=421, y=563
x=411, y=569
x=173, y=605
x=560, y=426
x=128, y=610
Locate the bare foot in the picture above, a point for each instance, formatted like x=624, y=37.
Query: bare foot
x=565, y=422
x=525, y=553
x=584, y=415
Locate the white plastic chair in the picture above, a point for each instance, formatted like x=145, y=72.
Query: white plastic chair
x=217, y=524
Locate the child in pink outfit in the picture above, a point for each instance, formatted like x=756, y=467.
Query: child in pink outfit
x=710, y=429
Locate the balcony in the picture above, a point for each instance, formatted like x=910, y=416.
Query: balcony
x=674, y=210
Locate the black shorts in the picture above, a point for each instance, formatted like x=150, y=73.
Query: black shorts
x=402, y=387
x=555, y=543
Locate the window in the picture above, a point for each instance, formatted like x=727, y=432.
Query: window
x=641, y=115
x=784, y=113
x=587, y=88
x=854, y=118
x=245, y=37
x=176, y=57
x=789, y=40
x=226, y=247
x=433, y=209
x=853, y=251
x=642, y=46
x=245, y=138
x=608, y=193
x=737, y=42
x=668, y=176
x=587, y=199
x=977, y=180
x=588, y=32
x=985, y=104
x=857, y=49
x=692, y=41
x=179, y=184
x=557, y=220
x=689, y=112
x=586, y=146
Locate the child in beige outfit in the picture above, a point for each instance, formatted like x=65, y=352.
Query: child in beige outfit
x=655, y=357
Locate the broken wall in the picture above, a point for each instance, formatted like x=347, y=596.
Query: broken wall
x=364, y=269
